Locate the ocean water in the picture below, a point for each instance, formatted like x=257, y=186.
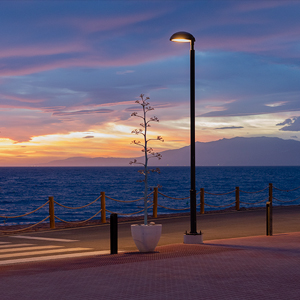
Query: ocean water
x=24, y=189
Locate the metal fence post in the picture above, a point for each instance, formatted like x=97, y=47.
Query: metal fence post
x=51, y=212
x=237, y=198
x=155, y=196
x=202, y=201
x=103, y=211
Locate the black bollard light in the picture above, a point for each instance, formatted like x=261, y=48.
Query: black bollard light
x=113, y=234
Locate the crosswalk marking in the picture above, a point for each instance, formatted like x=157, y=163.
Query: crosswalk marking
x=11, y=253
x=14, y=245
x=28, y=248
x=42, y=252
x=52, y=257
x=42, y=238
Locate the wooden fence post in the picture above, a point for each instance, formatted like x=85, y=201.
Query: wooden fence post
x=202, y=201
x=103, y=211
x=271, y=209
x=237, y=198
x=51, y=212
x=155, y=196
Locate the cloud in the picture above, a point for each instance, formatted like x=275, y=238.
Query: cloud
x=261, y=5
x=231, y=127
x=20, y=98
x=285, y=122
x=63, y=66
x=293, y=124
x=124, y=72
x=110, y=22
x=89, y=137
x=97, y=35
x=83, y=112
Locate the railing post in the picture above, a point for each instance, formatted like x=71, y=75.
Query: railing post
x=155, y=196
x=202, y=201
x=237, y=198
x=103, y=211
x=51, y=212
x=271, y=209
x=268, y=218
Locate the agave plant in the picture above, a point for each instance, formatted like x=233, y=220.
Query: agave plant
x=148, y=151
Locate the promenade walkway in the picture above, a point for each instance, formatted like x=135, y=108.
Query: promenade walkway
x=236, y=261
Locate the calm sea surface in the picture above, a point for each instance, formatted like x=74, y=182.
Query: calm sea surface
x=24, y=189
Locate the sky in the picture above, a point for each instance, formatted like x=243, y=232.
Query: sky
x=71, y=71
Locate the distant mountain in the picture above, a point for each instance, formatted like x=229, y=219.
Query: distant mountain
x=239, y=151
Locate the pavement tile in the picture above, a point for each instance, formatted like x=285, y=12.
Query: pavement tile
x=246, y=268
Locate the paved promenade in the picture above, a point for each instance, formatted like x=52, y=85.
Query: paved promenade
x=236, y=261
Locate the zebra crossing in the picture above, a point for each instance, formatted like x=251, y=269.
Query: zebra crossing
x=14, y=253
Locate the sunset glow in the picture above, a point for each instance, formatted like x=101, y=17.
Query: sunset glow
x=70, y=74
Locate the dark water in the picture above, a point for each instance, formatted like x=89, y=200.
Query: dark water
x=24, y=189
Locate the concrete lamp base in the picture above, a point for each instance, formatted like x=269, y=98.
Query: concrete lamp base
x=193, y=239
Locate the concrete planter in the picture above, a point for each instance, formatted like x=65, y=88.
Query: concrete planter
x=146, y=237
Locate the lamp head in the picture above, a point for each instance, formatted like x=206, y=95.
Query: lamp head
x=182, y=37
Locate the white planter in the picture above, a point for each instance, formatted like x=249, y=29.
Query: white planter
x=146, y=237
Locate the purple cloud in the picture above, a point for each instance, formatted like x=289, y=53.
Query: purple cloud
x=83, y=112
x=231, y=127
x=292, y=124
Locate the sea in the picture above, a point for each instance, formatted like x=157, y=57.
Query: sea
x=23, y=189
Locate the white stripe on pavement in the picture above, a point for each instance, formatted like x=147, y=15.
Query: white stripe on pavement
x=42, y=238
x=27, y=249
x=43, y=252
x=14, y=245
x=52, y=257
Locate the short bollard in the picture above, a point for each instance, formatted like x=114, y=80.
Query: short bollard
x=113, y=234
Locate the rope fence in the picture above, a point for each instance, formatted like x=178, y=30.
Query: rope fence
x=154, y=205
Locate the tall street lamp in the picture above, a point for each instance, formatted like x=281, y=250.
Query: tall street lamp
x=193, y=236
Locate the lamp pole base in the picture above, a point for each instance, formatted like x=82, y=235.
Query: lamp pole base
x=193, y=238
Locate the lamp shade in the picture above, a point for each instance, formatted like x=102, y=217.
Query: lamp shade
x=183, y=37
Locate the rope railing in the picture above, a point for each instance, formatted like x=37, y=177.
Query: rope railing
x=169, y=208
x=24, y=215
x=23, y=229
x=78, y=222
x=174, y=198
x=129, y=201
x=288, y=201
x=286, y=190
x=129, y=214
x=154, y=205
x=77, y=207
x=257, y=202
x=220, y=206
x=255, y=192
x=219, y=194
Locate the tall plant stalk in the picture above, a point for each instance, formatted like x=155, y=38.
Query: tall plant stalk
x=143, y=101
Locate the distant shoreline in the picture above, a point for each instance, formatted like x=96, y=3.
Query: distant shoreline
x=254, y=166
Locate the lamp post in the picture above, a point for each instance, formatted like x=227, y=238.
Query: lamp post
x=186, y=37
